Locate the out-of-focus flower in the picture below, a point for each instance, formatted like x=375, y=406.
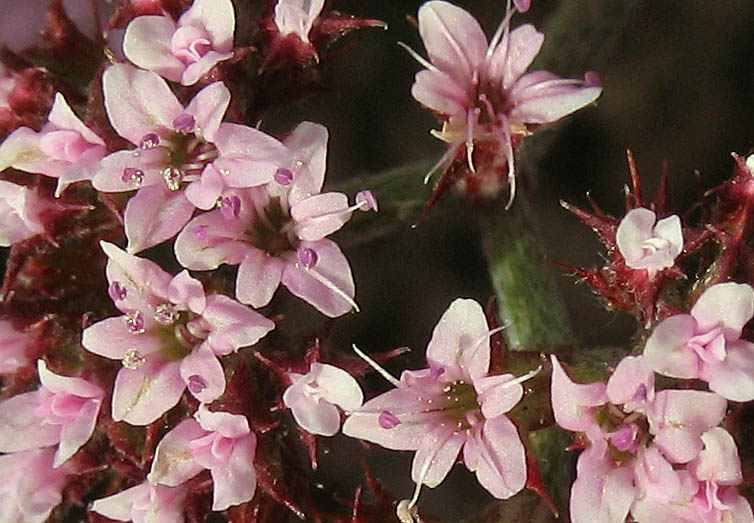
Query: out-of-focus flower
x=169, y=337
x=26, y=95
x=218, y=441
x=20, y=213
x=144, y=503
x=31, y=486
x=452, y=405
x=314, y=398
x=186, y=50
x=65, y=148
x=480, y=89
x=706, y=344
x=62, y=412
x=646, y=243
x=277, y=233
x=297, y=17
x=13, y=345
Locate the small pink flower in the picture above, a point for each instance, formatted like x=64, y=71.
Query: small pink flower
x=13, y=344
x=452, y=405
x=31, y=486
x=183, y=51
x=314, y=397
x=646, y=243
x=62, y=412
x=65, y=148
x=170, y=337
x=218, y=441
x=706, y=344
x=144, y=503
x=480, y=89
x=297, y=17
x=20, y=213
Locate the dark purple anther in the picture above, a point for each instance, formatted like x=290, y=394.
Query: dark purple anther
x=196, y=385
x=150, y=140
x=116, y=291
x=307, y=257
x=184, y=123
x=436, y=372
x=284, y=176
x=388, y=420
x=230, y=207
x=133, y=176
x=367, y=200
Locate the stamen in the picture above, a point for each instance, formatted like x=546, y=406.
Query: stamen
x=116, y=291
x=166, y=314
x=330, y=285
x=230, y=207
x=501, y=32
x=207, y=155
x=416, y=56
x=173, y=177
x=196, y=385
x=135, y=322
x=284, y=176
x=307, y=257
x=367, y=200
x=484, y=338
x=376, y=366
x=133, y=176
x=472, y=119
x=436, y=166
x=529, y=375
x=133, y=359
x=425, y=469
x=149, y=141
x=184, y=123
x=508, y=143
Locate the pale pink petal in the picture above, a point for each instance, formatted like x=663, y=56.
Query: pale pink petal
x=678, y=418
x=728, y=304
x=453, y=39
x=56, y=383
x=138, y=102
x=438, y=91
x=112, y=176
x=460, y=341
x=258, y=277
x=248, y=157
x=550, y=101
x=153, y=215
x=75, y=434
x=20, y=428
x=666, y=351
x=20, y=211
x=332, y=267
x=227, y=424
x=142, y=395
x=601, y=493
x=13, y=345
x=209, y=240
x=436, y=455
x=307, y=144
x=655, y=477
x=21, y=151
x=195, y=71
x=173, y=463
x=495, y=453
x=733, y=378
x=205, y=191
x=573, y=403
x=739, y=510
x=187, y=292
x=31, y=486
x=147, y=44
x=291, y=17
x=669, y=228
x=216, y=17
x=84, y=169
x=203, y=374
x=316, y=417
x=63, y=117
x=141, y=279
x=337, y=386
x=235, y=482
x=320, y=215
x=233, y=325
x=718, y=461
x=632, y=383
x=513, y=56
x=150, y=503
x=208, y=108
x=497, y=395
x=112, y=338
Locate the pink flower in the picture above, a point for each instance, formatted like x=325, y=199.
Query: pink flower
x=177, y=147
x=13, y=344
x=452, y=405
x=31, y=486
x=277, y=233
x=218, y=441
x=169, y=337
x=144, y=503
x=645, y=244
x=480, y=89
x=186, y=50
x=20, y=213
x=706, y=344
x=62, y=412
x=65, y=148
x=297, y=17
x=314, y=397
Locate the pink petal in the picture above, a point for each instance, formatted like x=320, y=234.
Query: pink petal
x=666, y=351
x=669, y=228
x=572, y=403
x=633, y=230
x=248, y=155
x=733, y=378
x=208, y=108
x=204, y=192
x=227, y=424
x=110, y=175
x=497, y=395
x=331, y=266
x=436, y=455
x=21, y=151
x=152, y=502
x=216, y=17
x=233, y=325
x=138, y=102
x=316, y=417
x=632, y=383
x=235, y=482
x=58, y=384
x=495, y=453
x=718, y=461
x=195, y=71
x=20, y=428
x=141, y=279
x=438, y=91
x=63, y=117
x=655, y=477
x=258, y=278
x=153, y=215
x=187, y=292
x=460, y=341
x=307, y=144
x=549, y=101
x=209, y=240
x=75, y=434
x=601, y=493
x=32, y=486
x=203, y=374
x=142, y=395
x=147, y=44
x=85, y=169
x=112, y=338
x=728, y=304
x=320, y=215
x=337, y=386
x=173, y=463
x=453, y=39
x=513, y=56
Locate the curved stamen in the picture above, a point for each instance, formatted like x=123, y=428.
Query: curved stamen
x=416, y=56
x=330, y=285
x=377, y=367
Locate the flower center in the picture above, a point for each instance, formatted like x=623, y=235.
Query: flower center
x=273, y=230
